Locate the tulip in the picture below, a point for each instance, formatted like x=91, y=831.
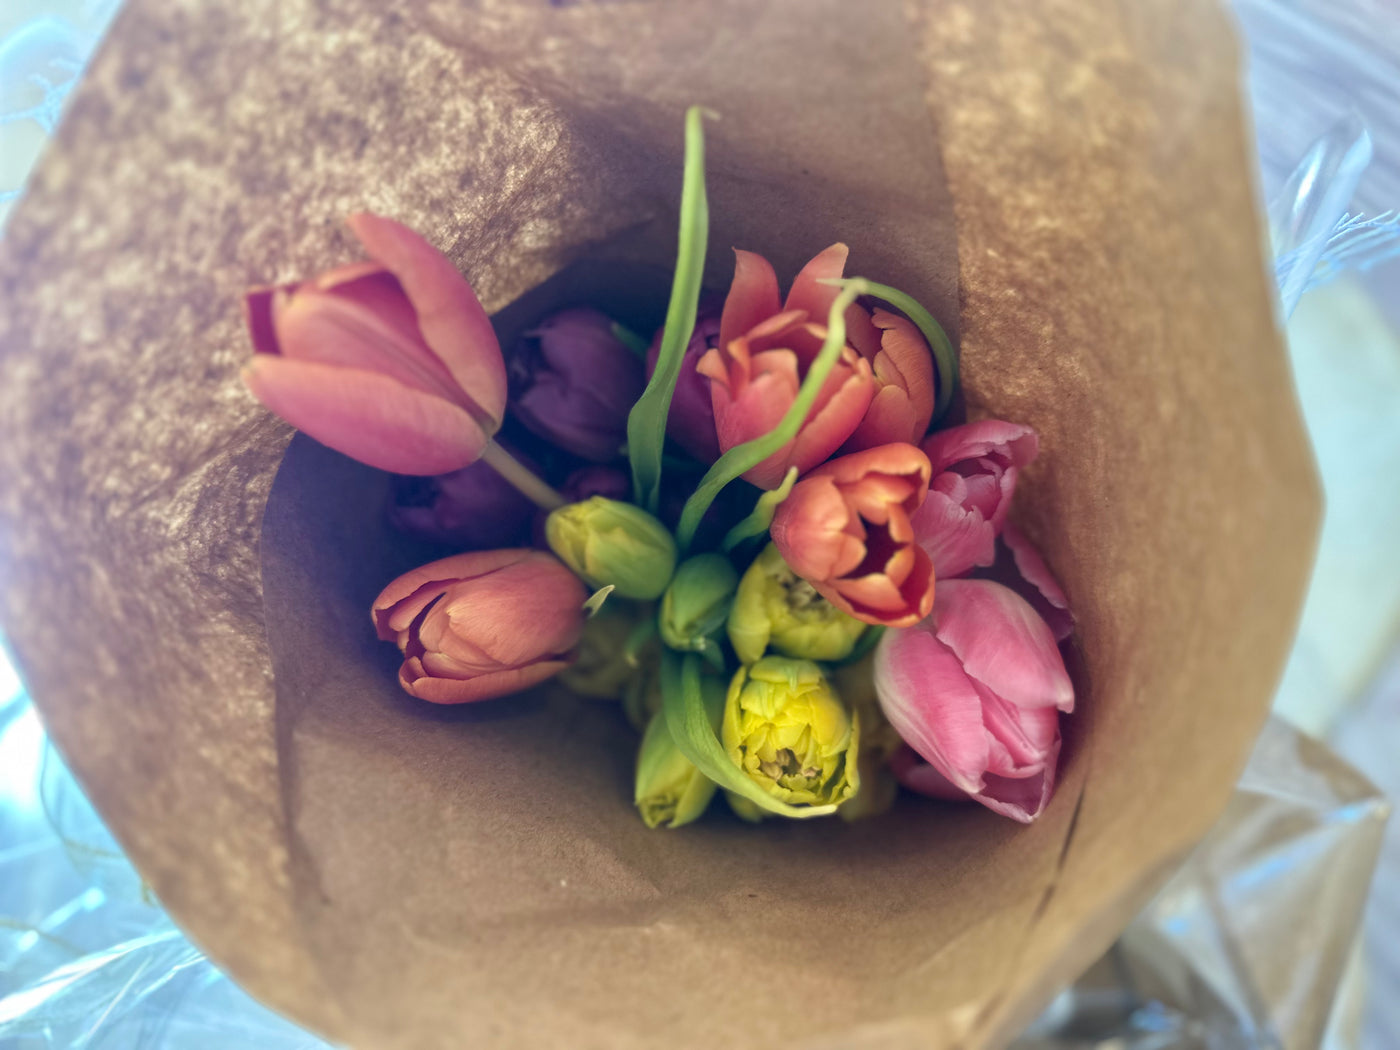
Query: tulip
x=601, y=669
x=573, y=382
x=764, y=352
x=473, y=508
x=974, y=477
x=904, y=387
x=696, y=604
x=392, y=362
x=691, y=420
x=607, y=542
x=592, y=480
x=846, y=529
x=775, y=608
x=787, y=730
x=669, y=791
x=481, y=625
x=1019, y=566
x=976, y=691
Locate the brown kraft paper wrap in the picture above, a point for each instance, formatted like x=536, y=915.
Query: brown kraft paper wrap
x=1063, y=182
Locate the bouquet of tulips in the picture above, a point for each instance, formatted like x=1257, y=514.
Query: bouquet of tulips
x=800, y=594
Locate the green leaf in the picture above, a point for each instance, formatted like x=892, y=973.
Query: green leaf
x=756, y=524
x=945, y=358
x=693, y=730
x=750, y=454
x=646, y=424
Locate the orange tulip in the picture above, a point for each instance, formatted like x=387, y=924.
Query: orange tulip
x=763, y=355
x=903, y=403
x=483, y=624
x=846, y=529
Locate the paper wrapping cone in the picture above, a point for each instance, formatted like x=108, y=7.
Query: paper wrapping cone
x=1067, y=181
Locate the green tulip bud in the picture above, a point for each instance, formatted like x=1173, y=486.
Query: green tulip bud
x=670, y=791
x=788, y=731
x=601, y=669
x=776, y=607
x=747, y=809
x=607, y=541
x=696, y=604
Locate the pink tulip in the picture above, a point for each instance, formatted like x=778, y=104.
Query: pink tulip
x=481, y=625
x=845, y=528
x=1019, y=566
x=976, y=691
x=392, y=362
x=903, y=401
x=974, y=477
x=763, y=355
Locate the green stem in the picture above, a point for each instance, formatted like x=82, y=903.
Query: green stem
x=646, y=424
x=519, y=475
x=745, y=457
x=756, y=524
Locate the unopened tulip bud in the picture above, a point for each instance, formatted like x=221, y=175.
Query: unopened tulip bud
x=696, y=604
x=601, y=670
x=670, y=791
x=775, y=608
x=607, y=542
x=481, y=625
x=788, y=731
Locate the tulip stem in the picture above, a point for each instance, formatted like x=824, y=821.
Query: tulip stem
x=750, y=454
x=524, y=479
x=646, y=423
x=756, y=524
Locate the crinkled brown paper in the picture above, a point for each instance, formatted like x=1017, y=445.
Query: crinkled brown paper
x=400, y=876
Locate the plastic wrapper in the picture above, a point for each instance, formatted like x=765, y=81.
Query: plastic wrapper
x=1066, y=181
x=1246, y=945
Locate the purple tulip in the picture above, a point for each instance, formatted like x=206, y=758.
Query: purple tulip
x=573, y=382
x=691, y=423
x=473, y=508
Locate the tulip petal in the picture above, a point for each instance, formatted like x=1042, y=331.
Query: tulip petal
x=1053, y=606
x=1002, y=643
x=957, y=539
x=932, y=704
x=808, y=293
x=450, y=316
x=1020, y=799
x=257, y=314
x=1018, y=444
x=482, y=687
x=753, y=296
x=368, y=417
x=333, y=330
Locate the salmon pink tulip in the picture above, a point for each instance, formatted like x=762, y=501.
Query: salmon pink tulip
x=392, y=362
x=482, y=625
x=976, y=691
x=974, y=477
x=903, y=403
x=846, y=528
x=763, y=355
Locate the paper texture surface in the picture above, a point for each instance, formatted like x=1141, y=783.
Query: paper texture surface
x=1066, y=183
